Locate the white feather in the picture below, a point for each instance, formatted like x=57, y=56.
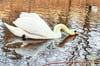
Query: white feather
x=33, y=24
x=16, y=31
x=20, y=32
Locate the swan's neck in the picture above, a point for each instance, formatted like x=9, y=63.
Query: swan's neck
x=59, y=27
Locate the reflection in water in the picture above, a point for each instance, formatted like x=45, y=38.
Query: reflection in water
x=24, y=43
x=80, y=49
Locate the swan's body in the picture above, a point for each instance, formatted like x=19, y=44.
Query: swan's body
x=33, y=26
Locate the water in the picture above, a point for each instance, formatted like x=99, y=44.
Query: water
x=81, y=49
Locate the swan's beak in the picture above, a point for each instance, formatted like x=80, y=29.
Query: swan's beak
x=76, y=33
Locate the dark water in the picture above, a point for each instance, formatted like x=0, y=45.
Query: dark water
x=82, y=49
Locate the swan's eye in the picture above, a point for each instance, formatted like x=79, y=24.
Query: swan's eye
x=75, y=31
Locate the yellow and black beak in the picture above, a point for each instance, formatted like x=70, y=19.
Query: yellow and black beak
x=76, y=32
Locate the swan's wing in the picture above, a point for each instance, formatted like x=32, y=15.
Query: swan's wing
x=33, y=24
x=25, y=14
x=16, y=31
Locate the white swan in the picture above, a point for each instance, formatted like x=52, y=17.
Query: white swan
x=33, y=26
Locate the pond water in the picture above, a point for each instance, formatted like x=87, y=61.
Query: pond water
x=83, y=48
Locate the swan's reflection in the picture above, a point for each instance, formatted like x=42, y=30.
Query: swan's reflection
x=28, y=47
x=33, y=47
x=24, y=43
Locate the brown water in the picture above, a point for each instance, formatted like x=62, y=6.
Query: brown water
x=82, y=49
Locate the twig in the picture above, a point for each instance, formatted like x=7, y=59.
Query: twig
x=68, y=62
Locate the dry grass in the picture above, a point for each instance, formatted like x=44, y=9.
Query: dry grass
x=84, y=63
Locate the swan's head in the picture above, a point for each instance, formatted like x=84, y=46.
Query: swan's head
x=71, y=32
x=65, y=29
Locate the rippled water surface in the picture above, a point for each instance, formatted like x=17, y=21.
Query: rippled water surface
x=83, y=48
